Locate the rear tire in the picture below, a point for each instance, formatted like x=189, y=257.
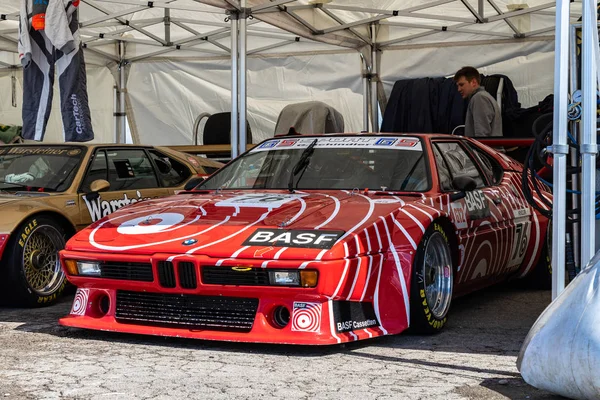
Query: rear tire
x=31, y=268
x=432, y=282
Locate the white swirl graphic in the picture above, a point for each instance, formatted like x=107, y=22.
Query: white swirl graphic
x=153, y=223
x=80, y=302
x=306, y=317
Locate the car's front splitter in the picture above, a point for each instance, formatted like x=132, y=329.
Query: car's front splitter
x=311, y=321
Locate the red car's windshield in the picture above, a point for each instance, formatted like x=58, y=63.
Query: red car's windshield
x=336, y=162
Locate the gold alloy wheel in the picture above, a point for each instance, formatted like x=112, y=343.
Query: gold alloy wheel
x=41, y=264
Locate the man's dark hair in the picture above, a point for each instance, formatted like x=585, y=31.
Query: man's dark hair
x=469, y=73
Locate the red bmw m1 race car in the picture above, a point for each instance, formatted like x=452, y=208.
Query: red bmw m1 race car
x=313, y=240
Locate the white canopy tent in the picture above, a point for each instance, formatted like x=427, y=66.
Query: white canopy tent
x=178, y=58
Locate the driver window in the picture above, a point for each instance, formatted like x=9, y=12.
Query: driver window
x=170, y=171
x=130, y=169
x=97, y=170
x=459, y=162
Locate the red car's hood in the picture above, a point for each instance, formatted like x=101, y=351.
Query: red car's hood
x=219, y=225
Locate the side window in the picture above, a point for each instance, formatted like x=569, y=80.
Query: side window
x=170, y=171
x=491, y=168
x=97, y=170
x=444, y=174
x=130, y=169
x=459, y=161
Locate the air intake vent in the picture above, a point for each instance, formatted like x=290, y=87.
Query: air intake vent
x=235, y=276
x=127, y=271
x=187, y=275
x=166, y=274
x=186, y=311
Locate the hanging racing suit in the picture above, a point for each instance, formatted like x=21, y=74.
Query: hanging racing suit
x=49, y=38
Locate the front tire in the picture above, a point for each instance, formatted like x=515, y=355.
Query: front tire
x=31, y=267
x=432, y=282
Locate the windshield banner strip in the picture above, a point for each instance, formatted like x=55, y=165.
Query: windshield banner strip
x=367, y=142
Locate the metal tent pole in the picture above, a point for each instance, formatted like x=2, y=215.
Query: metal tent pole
x=374, y=77
x=365, y=78
x=242, y=81
x=588, y=146
x=122, y=87
x=559, y=146
x=234, y=85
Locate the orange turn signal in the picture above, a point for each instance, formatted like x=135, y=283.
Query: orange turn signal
x=308, y=278
x=71, y=267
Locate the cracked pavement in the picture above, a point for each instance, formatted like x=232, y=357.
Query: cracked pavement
x=473, y=358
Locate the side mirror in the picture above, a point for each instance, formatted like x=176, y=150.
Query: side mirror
x=100, y=185
x=463, y=184
x=192, y=183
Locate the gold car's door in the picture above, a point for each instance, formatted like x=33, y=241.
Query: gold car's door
x=117, y=177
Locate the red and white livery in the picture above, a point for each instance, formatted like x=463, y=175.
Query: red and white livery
x=312, y=240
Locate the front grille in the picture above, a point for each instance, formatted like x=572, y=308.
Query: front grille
x=187, y=275
x=230, y=276
x=186, y=311
x=128, y=271
x=166, y=274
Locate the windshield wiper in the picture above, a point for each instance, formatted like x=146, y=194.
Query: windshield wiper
x=301, y=164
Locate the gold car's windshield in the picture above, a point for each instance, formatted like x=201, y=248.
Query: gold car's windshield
x=335, y=162
x=39, y=168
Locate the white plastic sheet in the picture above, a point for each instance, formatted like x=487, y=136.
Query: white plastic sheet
x=561, y=353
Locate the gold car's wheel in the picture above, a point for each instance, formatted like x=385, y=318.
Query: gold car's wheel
x=40, y=261
x=31, y=271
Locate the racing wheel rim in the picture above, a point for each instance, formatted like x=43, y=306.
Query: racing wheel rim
x=41, y=264
x=437, y=275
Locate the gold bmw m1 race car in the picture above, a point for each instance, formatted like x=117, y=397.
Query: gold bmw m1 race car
x=49, y=192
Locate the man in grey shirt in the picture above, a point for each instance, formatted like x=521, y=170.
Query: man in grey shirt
x=483, y=113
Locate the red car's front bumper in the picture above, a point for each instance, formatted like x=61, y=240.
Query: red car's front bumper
x=330, y=313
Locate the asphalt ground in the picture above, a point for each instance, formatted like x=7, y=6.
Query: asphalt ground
x=473, y=358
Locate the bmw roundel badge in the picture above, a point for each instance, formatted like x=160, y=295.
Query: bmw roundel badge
x=189, y=242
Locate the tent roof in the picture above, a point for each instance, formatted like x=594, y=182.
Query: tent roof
x=200, y=29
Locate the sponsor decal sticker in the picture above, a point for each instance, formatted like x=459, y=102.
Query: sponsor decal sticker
x=306, y=317
x=386, y=141
x=70, y=203
x=27, y=231
x=193, y=161
x=269, y=144
x=477, y=204
x=27, y=150
x=459, y=215
x=342, y=142
x=259, y=200
x=80, y=302
x=99, y=208
x=352, y=315
x=408, y=143
x=311, y=239
x=287, y=142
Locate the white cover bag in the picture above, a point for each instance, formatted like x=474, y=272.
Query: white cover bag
x=561, y=353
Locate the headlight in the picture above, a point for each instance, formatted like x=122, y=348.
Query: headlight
x=284, y=278
x=89, y=268
x=301, y=278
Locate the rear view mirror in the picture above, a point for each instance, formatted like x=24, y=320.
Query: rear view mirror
x=192, y=183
